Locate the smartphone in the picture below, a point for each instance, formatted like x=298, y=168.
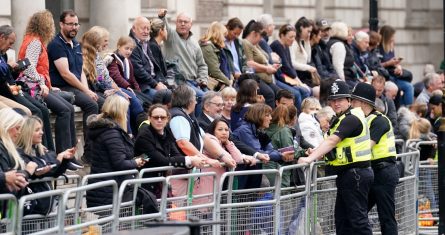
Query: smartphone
x=41, y=168
x=145, y=157
x=23, y=64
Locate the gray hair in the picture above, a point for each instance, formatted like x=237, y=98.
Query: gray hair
x=265, y=19
x=6, y=30
x=340, y=30
x=326, y=112
x=430, y=79
x=390, y=86
x=360, y=36
x=183, y=96
x=208, y=96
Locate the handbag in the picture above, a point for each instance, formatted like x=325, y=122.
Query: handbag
x=212, y=83
x=290, y=81
x=315, y=77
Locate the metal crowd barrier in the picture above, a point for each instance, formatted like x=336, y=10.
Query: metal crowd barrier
x=303, y=209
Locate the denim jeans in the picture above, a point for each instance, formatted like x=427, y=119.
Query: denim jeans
x=408, y=92
x=382, y=193
x=134, y=109
x=351, y=205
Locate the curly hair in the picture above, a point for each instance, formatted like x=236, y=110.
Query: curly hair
x=91, y=42
x=41, y=24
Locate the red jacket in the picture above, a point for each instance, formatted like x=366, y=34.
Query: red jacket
x=116, y=71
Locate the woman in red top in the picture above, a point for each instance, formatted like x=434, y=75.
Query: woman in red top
x=39, y=31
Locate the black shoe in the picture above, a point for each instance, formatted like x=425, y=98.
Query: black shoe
x=76, y=163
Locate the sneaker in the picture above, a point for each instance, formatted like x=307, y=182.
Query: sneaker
x=76, y=163
x=70, y=167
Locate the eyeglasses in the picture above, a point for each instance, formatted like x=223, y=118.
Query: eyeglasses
x=219, y=105
x=162, y=118
x=72, y=24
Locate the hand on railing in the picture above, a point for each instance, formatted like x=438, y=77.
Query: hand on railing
x=15, y=181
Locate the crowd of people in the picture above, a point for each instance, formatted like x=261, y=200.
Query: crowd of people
x=162, y=98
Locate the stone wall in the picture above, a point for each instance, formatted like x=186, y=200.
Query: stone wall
x=419, y=38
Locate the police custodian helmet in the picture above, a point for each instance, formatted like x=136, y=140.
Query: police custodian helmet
x=364, y=92
x=339, y=89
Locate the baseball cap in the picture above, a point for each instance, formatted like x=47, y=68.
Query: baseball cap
x=435, y=100
x=323, y=24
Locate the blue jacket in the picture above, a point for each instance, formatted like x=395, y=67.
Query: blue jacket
x=249, y=134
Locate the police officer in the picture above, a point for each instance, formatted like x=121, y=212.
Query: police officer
x=347, y=151
x=383, y=160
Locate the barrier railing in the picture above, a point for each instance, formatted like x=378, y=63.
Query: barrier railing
x=279, y=209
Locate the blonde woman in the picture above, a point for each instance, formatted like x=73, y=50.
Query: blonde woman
x=49, y=164
x=110, y=148
x=216, y=56
x=94, y=42
x=12, y=176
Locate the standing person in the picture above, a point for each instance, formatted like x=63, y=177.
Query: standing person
x=347, y=151
x=397, y=73
x=65, y=66
x=383, y=161
x=113, y=147
x=142, y=58
x=39, y=32
x=158, y=143
x=180, y=47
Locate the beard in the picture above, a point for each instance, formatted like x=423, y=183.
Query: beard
x=71, y=34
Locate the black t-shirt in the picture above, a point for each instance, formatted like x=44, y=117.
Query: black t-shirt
x=350, y=126
x=378, y=128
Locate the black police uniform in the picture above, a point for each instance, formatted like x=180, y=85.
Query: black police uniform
x=353, y=179
x=386, y=174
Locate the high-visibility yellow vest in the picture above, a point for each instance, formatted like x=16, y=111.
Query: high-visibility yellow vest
x=351, y=149
x=386, y=147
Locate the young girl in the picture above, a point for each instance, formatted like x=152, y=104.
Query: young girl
x=94, y=42
x=310, y=127
x=121, y=68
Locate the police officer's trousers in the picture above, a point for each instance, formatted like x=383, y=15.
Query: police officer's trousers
x=351, y=205
x=382, y=193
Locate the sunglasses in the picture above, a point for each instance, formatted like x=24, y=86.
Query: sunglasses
x=162, y=118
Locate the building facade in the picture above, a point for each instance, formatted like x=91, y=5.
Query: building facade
x=419, y=37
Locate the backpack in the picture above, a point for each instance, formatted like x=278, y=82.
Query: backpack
x=144, y=199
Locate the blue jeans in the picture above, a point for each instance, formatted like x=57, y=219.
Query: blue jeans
x=408, y=92
x=300, y=93
x=199, y=93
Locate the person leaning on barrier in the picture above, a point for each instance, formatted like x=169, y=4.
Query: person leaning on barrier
x=347, y=151
x=383, y=162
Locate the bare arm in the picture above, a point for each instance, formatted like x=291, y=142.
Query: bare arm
x=63, y=68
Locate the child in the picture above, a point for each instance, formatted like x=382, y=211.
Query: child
x=310, y=127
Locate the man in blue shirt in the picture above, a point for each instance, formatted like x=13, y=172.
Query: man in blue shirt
x=65, y=66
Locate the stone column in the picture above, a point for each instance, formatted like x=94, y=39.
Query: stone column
x=112, y=15
x=21, y=10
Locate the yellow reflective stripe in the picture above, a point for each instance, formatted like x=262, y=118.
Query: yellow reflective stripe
x=363, y=153
x=362, y=139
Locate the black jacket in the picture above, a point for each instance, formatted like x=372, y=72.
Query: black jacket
x=159, y=61
x=43, y=206
x=109, y=149
x=141, y=65
x=7, y=164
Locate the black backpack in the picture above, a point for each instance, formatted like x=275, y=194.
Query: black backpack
x=144, y=199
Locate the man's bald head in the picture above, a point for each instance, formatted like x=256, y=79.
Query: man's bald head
x=141, y=28
x=183, y=24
